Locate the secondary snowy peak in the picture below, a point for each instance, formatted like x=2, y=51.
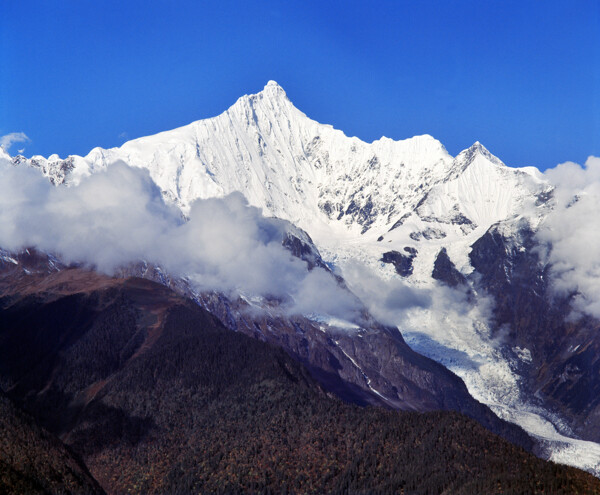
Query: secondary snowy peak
x=477, y=150
x=478, y=191
x=483, y=188
x=481, y=191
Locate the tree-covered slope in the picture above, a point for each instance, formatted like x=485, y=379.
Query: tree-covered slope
x=34, y=461
x=158, y=397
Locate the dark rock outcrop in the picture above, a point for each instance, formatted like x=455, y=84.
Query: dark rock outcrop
x=564, y=370
x=445, y=271
x=403, y=263
x=304, y=249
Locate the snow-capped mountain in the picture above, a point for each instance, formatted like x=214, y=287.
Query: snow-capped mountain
x=303, y=171
x=354, y=198
x=414, y=231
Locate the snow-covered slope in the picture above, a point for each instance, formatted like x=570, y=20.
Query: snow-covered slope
x=286, y=163
x=361, y=203
x=346, y=193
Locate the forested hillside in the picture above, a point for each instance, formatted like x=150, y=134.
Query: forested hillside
x=158, y=397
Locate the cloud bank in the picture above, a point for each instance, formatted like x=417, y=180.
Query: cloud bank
x=573, y=231
x=389, y=300
x=118, y=216
x=395, y=303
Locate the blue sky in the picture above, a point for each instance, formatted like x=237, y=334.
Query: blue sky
x=521, y=77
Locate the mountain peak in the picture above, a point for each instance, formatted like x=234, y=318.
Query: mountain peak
x=272, y=84
x=272, y=98
x=466, y=157
x=478, y=147
x=273, y=88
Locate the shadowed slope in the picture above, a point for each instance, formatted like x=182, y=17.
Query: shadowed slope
x=34, y=461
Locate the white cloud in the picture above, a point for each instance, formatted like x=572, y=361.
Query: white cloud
x=118, y=216
x=450, y=325
x=8, y=140
x=573, y=231
x=394, y=302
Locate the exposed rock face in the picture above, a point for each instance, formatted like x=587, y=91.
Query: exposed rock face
x=403, y=263
x=428, y=234
x=562, y=366
x=445, y=271
x=304, y=249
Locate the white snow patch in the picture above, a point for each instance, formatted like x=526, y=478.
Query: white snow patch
x=523, y=354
